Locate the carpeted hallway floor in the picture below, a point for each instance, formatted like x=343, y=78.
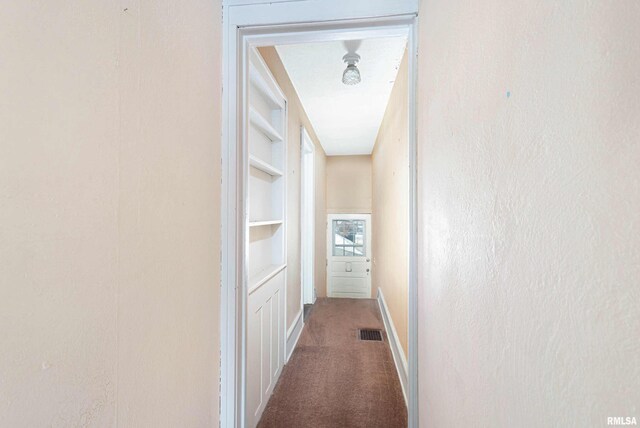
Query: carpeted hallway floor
x=335, y=380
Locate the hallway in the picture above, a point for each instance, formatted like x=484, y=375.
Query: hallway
x=170, y=176
x=335, y=380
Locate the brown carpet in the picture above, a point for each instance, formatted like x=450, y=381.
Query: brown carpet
x=335, y=380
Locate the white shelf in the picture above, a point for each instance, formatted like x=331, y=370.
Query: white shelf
x=264, y=125
x=264, y=223
x=263, y=276
x=262, y=85
x=264, y=166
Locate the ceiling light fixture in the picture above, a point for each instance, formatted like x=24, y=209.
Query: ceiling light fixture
x=351, y=75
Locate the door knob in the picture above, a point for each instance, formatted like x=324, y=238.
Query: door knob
x=368, y=260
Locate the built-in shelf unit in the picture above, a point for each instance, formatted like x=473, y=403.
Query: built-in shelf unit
x=266, y=255
x=267, y=180
x=263, y=276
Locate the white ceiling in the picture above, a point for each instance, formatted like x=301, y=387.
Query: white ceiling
x=345, y=118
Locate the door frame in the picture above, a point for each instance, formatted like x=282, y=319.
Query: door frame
x=254, y=23
x=307, y=148
x=368, y=244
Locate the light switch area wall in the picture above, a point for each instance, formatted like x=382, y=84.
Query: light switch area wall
x=348, y=184
x=529, y=202
x=110, y=213
x=390, y=213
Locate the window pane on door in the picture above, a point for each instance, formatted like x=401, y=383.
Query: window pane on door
x=348, y=238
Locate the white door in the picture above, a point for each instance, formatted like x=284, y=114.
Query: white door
x=349, y=255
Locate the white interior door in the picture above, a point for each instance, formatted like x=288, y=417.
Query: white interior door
x=349, y=255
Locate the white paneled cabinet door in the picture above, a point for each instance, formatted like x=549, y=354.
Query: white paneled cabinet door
x=266, y=260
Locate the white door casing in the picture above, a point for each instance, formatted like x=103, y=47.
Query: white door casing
x=307, y=213
x=251, y=23
x=349, y=255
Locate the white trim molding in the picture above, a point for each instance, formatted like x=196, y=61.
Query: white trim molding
x=307, y=218
x=248, y=24
x=294, y=333
x=399, y=358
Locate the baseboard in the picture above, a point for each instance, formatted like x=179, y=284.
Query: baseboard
x=399, y=358
x=294, y=332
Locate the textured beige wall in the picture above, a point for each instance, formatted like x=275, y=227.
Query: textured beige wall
x=348, y=184
x=390, y=213
x=109, y=226
x=297, y=118
x=529, y=202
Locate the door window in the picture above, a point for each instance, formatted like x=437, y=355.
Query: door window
x=348, y=238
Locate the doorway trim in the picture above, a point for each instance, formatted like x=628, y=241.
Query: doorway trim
x=307, y=218
x=254, y=23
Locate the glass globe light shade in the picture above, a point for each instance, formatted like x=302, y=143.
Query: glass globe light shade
x=351, y=75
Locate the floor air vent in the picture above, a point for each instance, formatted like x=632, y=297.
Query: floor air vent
x=367, y=334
